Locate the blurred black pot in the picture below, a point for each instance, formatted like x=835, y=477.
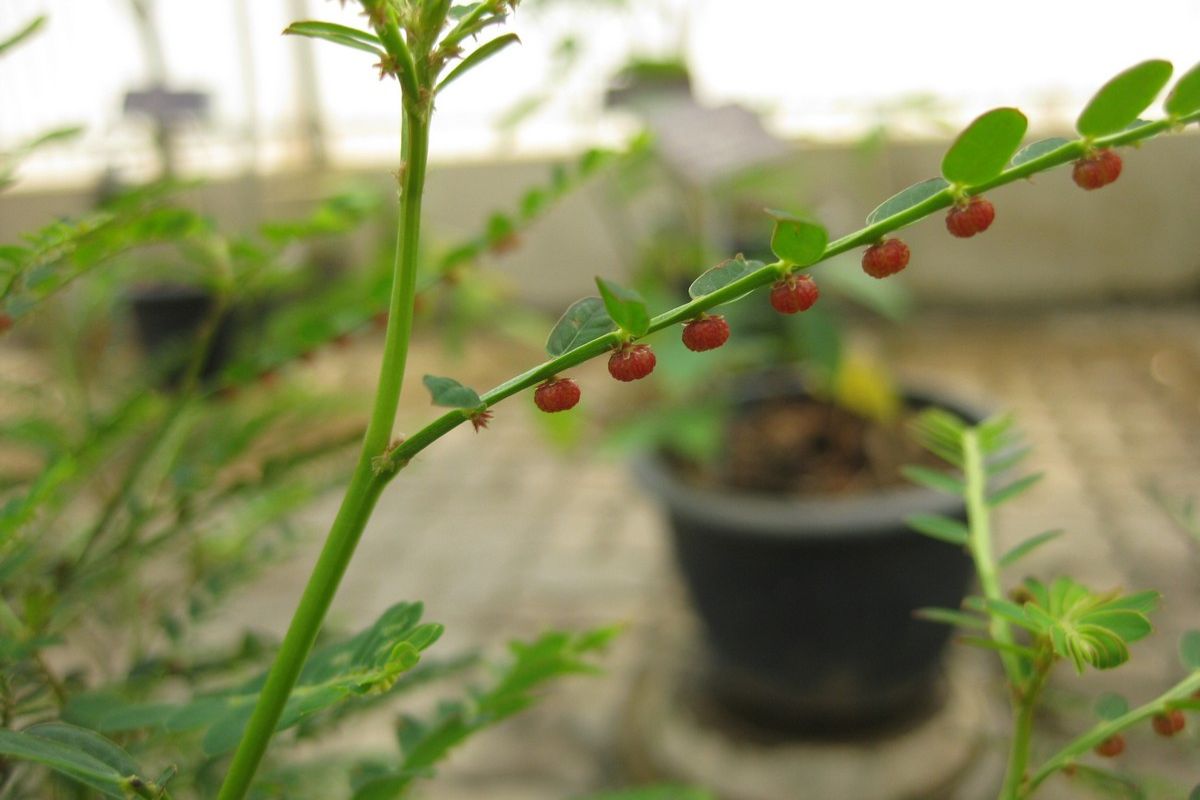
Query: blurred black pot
x=168, y=319
x=807, y=603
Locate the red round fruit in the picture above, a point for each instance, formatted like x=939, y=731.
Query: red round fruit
x=1169, y=723
x=794, y=293
x=885, y=258
x=1111, y=747
x=631, y=362
x=556, y=394
x=1096, y=170
x=964, y=221
x=706, y=333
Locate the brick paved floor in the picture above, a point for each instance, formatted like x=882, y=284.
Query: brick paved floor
x=502, y=537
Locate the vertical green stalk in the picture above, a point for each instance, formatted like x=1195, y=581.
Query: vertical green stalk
x=980, y=546
x=1025, y=689
x=365, y=485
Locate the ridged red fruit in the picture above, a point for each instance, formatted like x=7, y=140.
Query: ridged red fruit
x=1111, y=747
x=794, y=293
x=556, y=394
x=967, y=220
x=1170, y=723
x=706, y=333
x=885, y=258
x=1097, y=170
x=631, y=362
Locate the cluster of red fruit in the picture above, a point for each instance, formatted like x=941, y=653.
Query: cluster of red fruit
x=1165, y=724
x=798, y=292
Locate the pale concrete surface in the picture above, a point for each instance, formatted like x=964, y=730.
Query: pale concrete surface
x=503, y=537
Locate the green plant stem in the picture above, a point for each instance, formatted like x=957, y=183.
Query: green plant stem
x=1022, y=739
x=442, y=425
x=979, y=544
x=1098, y=733
x=365, y=484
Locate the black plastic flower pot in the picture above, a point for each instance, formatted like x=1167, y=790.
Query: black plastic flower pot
x=168, y=319
x=807, y=603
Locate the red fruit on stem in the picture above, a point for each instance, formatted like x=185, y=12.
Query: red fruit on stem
x=1168, y=723
x=705, y=333
x=794, y=293
x=885, y=258
x=631, y=362
x=1096, y=170
x=556, y=394
x=964, y=221
x=1111, y=747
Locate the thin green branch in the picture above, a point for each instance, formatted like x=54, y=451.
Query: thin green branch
x=861, y=238
x=363, y=491
x=1098, y=733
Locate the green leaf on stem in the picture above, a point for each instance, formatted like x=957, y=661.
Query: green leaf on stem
x=450, y=393
x=950, y=616
x=1037, y=149
x=625, y=307
x=933, y=479
x=338, y=34
x=938, y=527
x=584, y=321
x=1106, y=783
x=83, y=756
x=1014, y=489
x=796, y=240
x=1000, y=647
x=1189, y=650
x=983, y=149
x=1122, y=99
x=907, y=198
x=24, y=33
x=477, y=57
x=1028, y=546
x=722, y=275
x=1111, y=705
x=1185, y=95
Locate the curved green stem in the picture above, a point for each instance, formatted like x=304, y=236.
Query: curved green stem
x=860, y=238
x=1098, y=733
x=1022, y=739
x=365, y=484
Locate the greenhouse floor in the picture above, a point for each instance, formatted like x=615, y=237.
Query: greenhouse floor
x=502, y=536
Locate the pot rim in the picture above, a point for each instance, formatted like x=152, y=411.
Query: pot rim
x=859, y=515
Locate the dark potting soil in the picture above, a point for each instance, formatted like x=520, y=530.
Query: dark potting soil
x=804, y=447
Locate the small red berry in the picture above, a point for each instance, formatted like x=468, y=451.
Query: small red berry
x=1096, y=170
x=631, y=362
x=6, y=323
x=794, y=293
x=556, y=394
x=1111, y=747
x=885, y=258
x=1169, y=723
x=964, y=221
x=705, y=333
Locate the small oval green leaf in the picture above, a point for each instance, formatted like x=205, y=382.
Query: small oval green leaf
x=907, y=198
x=1184, y=98
x=1119, y=101
x=1038, y=149
x=625, y=307
x=1189, y=650
x=722, y=275
x=1111, y=705
x=450, y=393
x=584, y=321
x=797, y=241
x=982, y=150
